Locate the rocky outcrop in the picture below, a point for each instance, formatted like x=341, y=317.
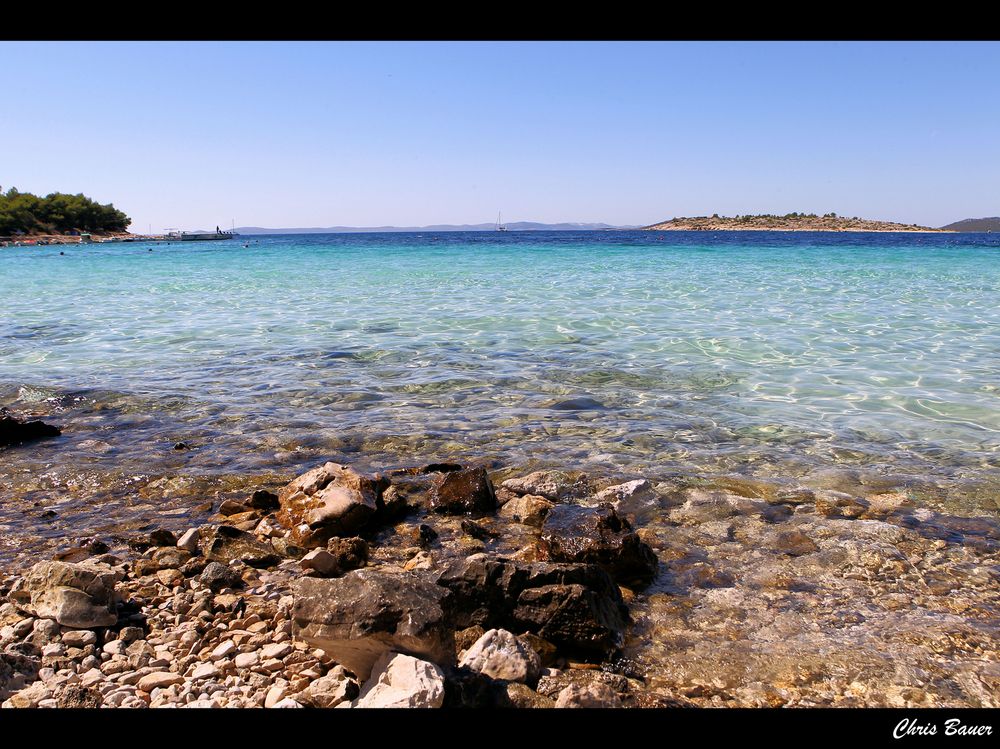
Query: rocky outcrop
x=14, y=431
x=328, y=501
x=75, y=595
x=359, y=617
x=468, y=491
x=598, y=535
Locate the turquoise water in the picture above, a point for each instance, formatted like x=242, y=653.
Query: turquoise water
x=752, y=352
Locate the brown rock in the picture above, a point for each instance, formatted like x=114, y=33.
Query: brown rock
x=466, y=491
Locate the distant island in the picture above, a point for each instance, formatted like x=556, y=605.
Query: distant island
x=511, y=226
x=23, y=214
x=975, y=224
x=788, y=222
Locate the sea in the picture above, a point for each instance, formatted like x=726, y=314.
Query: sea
x=200, y=367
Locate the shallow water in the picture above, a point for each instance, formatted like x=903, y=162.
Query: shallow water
x=614, y=352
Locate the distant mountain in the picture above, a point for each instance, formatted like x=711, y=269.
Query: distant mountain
x=975, y=224
x=788, y=222
x=511, y=226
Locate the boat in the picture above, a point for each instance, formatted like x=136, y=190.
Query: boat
x=207, y=236
x=500, y=227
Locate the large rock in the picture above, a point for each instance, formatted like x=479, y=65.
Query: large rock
x=81, y=596
x=400, y=680
x=598, y=535
x=528, y=509
x=328, y=501
x=359, y=617
x=467, y=491
x=329, y=690
x=500, y=655
x=577, y=607
x=552, y=485
x=636, y=500
x=14, y=431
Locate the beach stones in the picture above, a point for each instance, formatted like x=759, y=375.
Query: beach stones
x=598, y=535
x=14, y=431
x=461, y=492
x=529, y=510
x=331, y=500
x=359, y=617
x=81, y=596
x=227, y=544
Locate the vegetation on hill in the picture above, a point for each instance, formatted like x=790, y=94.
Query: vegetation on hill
x=56, y=213
x=788, y=222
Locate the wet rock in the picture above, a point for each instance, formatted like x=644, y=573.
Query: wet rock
x=162, y=537
x=232, y=507
x=320, y=563
x=522, y=696
x=834, y=504
x=359, y=617
x=330, y=690
x=227, y=544
x=598, y=535
x=578, y=607
x=189, y=541
x=702, y=507
x=500, y=655
x=264, y=500
x=552, y=485
x=218, y=576
x=460, y=492
x=81, y=596
x=15, y=431
x=331, y=500
x=578, y=404
x=794, y=543
x=349, y=553
x=636, y=500
x=478, y=531
x=400, y=680
x=529, y=509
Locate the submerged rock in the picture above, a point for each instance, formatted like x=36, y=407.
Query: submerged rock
x=331, y=500
x=598, y=535
x=14, y=431
x=359, y=617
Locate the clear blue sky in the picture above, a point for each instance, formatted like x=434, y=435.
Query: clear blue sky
x=194, y=134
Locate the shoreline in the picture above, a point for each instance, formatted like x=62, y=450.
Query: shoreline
x=225, y=620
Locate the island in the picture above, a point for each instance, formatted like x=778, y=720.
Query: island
x=57, y=218
x=788, y=222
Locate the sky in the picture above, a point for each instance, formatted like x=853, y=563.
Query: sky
x=192, y=135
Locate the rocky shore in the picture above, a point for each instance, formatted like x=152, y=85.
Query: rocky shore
x=430, y=586
x=791, y=222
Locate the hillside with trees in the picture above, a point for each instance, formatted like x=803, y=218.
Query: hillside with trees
x=57, y=213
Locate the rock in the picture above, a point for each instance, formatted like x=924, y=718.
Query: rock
x=400, y=680
x=264, y=500
x=793, y=543
x=349, y=553
x=460, y=492
x=635, y=499
x=331, y=500
x=218, y=576
x=246, y=660
x=357, y=618
x=522, y=696
x=205, y=671
x=552, y=485
x=598, y=535
x=159, y=679
x=170, y=577
x=529, y=509
x=76, y=696
x=420, y=561
x=500, y=655
x=162, y=537
x=81, y=596
x=834, y=504
x=227, y=544
x=275, y=695
x=591, y=695
x=319, y=562
x=14, y=431
x=79, y=638
x=30, y=696
x=577, y=607
x=329, y=690
x=582, y=403
x=288, y=702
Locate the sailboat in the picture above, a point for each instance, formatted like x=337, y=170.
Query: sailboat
x=500, y=227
